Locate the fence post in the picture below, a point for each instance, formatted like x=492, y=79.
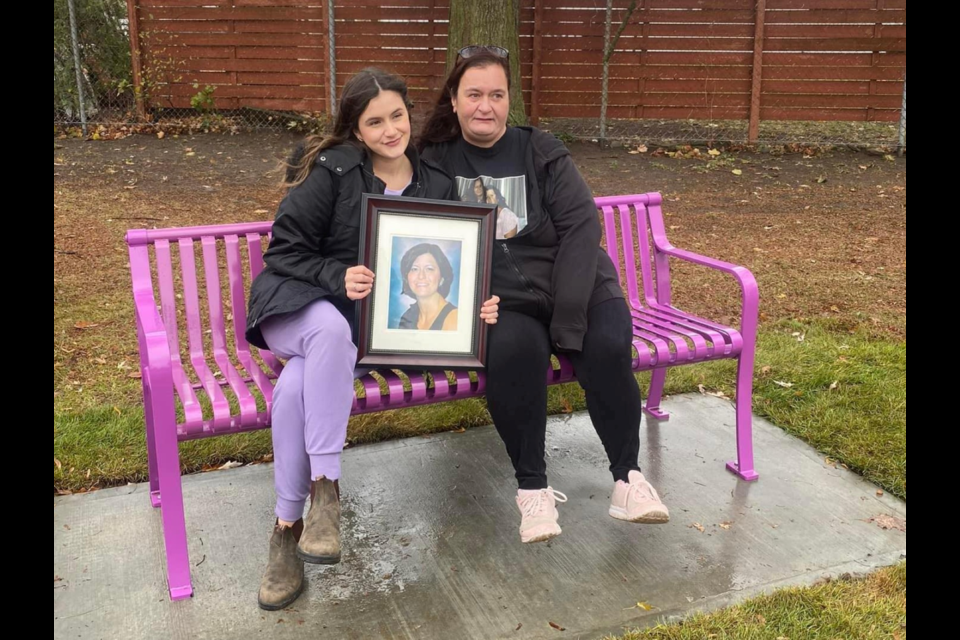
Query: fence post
x=537, y=60
x=331, y=59
x=753, y=130
x=604, y=90
x=133, y=20
x=76, y=63
x=902, y=138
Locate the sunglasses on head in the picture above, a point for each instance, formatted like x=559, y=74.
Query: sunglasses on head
x=475, y=49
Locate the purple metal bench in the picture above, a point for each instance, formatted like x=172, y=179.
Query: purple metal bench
x=222, y=386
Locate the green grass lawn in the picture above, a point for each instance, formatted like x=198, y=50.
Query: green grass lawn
x=844, y=393
x=874, y=607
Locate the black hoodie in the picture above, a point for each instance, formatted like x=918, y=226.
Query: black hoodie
x=316, y=233
x=554, y=269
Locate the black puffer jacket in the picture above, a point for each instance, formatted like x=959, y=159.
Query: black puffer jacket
x=316, y=233
x=555, y=269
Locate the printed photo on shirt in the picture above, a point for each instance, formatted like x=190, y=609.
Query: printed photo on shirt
x=509, y=194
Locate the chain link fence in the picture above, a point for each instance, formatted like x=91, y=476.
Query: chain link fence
x=94, y=95
x=93, y=85
x=881, y=135
x=92, y=77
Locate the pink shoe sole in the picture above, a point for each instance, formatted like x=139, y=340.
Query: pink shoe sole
x=541, y=535
x=651, y=517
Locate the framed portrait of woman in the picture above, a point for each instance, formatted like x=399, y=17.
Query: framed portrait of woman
x=432, y=260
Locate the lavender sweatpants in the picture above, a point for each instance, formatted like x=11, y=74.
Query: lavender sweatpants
x=311, y=401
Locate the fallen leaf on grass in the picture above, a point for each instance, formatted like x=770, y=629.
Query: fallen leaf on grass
x=85, y=325
x=785, y=385
x=713, y=394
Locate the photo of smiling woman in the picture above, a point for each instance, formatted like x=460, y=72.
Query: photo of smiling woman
x=507, y=221
x=479, y=191
x=427, y=277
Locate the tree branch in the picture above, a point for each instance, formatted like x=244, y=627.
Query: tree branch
x=623, y=27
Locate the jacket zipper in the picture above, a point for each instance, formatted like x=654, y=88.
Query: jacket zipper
x=516, y=269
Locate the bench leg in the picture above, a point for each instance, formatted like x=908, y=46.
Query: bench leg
x=174, y=524
x=744, y=467
x=152, y=462
x=158, y=403
x=652, y=409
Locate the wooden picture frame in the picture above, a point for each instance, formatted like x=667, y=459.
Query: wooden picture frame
x=433, y=261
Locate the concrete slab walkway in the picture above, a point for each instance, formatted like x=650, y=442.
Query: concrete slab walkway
x=432, y=549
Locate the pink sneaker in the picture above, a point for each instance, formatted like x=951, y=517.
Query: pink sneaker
x=539, y=514
x=638, y=501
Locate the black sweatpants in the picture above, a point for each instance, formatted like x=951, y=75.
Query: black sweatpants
x=518, y=357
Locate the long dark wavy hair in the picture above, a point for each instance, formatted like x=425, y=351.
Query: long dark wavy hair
x=443, y=124
x=501, y=201
x=357, y=94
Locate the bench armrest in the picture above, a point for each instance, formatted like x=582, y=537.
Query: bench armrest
x=743, y=276
x=154, y=342
x=750, y=292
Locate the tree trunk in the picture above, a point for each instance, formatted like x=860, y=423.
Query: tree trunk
x=490, y=22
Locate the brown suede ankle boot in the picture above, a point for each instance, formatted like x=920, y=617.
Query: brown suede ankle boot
x=320, y=543
x=282, y=582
